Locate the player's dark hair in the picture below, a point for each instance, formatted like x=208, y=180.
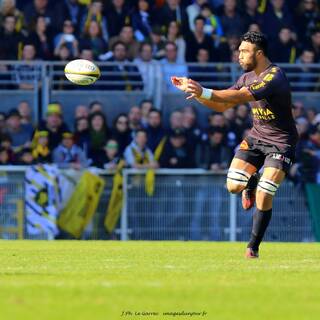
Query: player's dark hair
x=258, y=39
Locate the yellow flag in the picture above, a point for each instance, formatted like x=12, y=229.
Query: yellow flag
x=115, y=201
x=82, y=204
x=150, y=175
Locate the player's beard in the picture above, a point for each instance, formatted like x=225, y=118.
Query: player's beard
x=251, y=65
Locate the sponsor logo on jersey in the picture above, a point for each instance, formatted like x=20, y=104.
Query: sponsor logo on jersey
x=257, y=86
x=268, y=77
x=244, y=145
x=263, y=114
x=281, y=157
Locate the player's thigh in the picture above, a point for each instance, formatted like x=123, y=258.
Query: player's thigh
x=239, y=174
x=267, y=187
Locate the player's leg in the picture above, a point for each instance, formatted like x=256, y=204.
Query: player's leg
x=239, y=175
x=248, y=159
x=267, y=187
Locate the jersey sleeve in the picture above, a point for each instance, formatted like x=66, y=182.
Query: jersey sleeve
x=238, y=84
x=267, y=86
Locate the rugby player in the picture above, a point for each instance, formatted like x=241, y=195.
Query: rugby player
x=272, y=139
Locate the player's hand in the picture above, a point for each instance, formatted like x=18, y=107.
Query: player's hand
x=180, y=82
x=194, y=88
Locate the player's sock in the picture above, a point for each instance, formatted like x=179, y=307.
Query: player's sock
x=261, y=221
x=253, y=181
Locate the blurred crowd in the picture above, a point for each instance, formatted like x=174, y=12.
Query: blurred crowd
x=116, y=30
x=143, y=139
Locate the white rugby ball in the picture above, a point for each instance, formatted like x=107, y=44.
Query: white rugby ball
x=82, y=72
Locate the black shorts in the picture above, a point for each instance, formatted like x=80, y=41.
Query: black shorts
x=259, y=153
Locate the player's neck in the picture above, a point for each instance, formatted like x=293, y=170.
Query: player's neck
x=262, y=66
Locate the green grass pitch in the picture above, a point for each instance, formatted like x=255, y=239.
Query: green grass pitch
x=118, y=280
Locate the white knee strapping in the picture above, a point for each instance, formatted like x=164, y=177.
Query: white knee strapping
x=237, y=176
x=267, y=186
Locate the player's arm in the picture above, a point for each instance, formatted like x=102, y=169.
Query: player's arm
x=219, y=100
x=217, y=106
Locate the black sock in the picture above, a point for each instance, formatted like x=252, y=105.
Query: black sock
x=261, y=221
x=253, y=181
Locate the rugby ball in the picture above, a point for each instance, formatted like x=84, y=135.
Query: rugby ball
x=82, y=72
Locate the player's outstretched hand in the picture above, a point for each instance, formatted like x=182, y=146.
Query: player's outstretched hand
x=187, y=85
x=194, y=88
x=180, y=82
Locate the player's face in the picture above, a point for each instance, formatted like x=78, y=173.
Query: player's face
x=248, y=56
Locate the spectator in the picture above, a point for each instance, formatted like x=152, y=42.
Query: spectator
x=158, y=43
x=54, y=125
x=82, y=134
x=154, y=129
x=141, y=21
x=8, y=8
x=19, y=133
x=27, y=75
x=68, y=38
x=232, y=22
x=176, y=153
x=176, y=120
x=137, y=154
x=135, y=117
x=25, y=113
x=149, y=69
x=307, y=18
x=59, y=79
x=275, y=17
x=126, y=36
x=40, y=147
x=172, y=11
x=307, y=76
x=2, y=122
x=202, y=71
x=126, y=75
x=99, y=134
x=199, y=40
x=25, y=157
x=95, y=14
x=145, y=107
x=71, y=10
x=82, y=111
x=41, y=39
x=174, y=35
x=41, y=8
x=216, y=156
x=68, y=155
x=92, y=38
x=95, y=106
x=109, y=159
x=121, y=132
x=242, y=120
x=251, y=14
x=117, y=17
x=298, y=110
x=6, y=143
x=284, y=48
x=193, y=10
x=191, y=129
x=311, y=114
x=86, y=54
x=4, y=157
x=315, y=44
x=212, y=25
x=10, y=39
x=171, y=67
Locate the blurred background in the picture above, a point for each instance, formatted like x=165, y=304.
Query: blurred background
x=176, y=152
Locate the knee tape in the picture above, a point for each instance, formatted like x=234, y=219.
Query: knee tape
x=237, y=176
x=267, y=186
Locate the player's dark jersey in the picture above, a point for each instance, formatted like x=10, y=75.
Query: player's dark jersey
x=272, y=118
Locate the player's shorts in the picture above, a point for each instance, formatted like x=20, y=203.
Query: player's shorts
x=259, y=153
